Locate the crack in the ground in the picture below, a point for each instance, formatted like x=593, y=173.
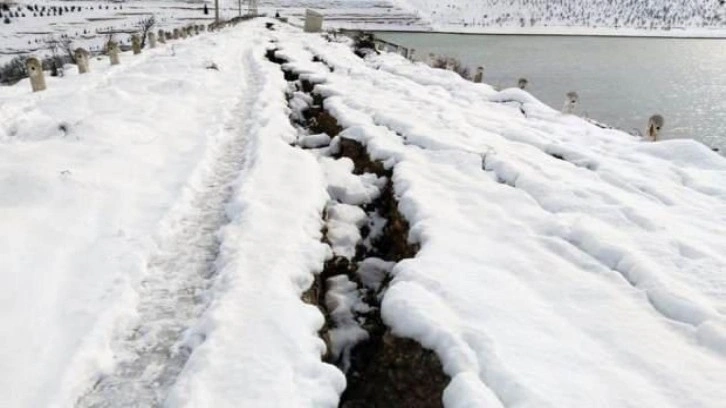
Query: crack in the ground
x=382, y=370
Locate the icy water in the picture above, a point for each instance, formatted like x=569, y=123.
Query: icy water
x=621, y=81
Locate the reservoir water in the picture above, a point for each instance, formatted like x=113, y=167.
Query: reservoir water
x=621, y=81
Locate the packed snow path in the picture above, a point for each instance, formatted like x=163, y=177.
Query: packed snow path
x=174, y=294
x=129, y=225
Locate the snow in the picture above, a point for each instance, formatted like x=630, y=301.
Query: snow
x=344, y=222
x=348, y=188
x=553, y=282
x=261, y=340
x=88, y=205
x=343, y=300
x=657, y=17
x=315, y=141
x=373, y=271
x=88, y=26
x=99, y=211
x=162, y=238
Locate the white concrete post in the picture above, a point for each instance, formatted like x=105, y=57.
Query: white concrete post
x=431, y=59
x=152, y=40
x=313, y=21
x=81, y=57
x=570, y=102
x=35, y=72
x=655, y=124
x=479, y=76
x=136, y=44
x=113, y=53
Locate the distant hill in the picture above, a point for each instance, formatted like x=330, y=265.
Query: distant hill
x=656, y=14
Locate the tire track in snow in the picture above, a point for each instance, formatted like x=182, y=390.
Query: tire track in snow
x=174, y=293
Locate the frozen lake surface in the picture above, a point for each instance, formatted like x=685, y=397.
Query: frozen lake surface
x=621, y=81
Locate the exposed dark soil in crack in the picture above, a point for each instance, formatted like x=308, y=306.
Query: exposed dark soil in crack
x=363, y=164
x=398, y=372
x=384, y=370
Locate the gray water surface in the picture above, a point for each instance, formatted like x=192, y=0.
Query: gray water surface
x=621, y=81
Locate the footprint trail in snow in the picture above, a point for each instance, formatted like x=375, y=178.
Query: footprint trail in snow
x=173, y=295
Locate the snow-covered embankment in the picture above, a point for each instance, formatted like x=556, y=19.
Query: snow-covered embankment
x=559, y=261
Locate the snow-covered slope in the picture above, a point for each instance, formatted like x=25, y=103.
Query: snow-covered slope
x=657, y=14
x=30, y=24
x=561, y=264
x=27, y=25
x=164, y=221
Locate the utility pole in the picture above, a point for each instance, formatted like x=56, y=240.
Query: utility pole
x=239, y=8
x=216, y=11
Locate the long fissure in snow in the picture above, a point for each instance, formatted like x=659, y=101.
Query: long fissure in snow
x=368, y=236
x=174, y=293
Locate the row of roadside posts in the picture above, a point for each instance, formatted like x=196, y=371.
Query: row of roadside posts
x=313, y=24
x=82, y=56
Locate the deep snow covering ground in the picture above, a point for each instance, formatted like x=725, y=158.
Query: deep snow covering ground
x=161, y=242
x=113, y=231
x=650, y=18
x=561, y=264
x=89, y=23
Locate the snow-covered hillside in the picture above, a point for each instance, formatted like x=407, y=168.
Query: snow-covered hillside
x=27, y=25
x=257, y=217
x=656, y=14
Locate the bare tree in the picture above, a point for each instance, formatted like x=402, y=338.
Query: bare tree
x=451, y=64
x=146, y=25
x=13, y=70
x=109, y=39
x=58, y=47
x=65, y=45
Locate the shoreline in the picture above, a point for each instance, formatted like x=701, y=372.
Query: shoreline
x=553, y=31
